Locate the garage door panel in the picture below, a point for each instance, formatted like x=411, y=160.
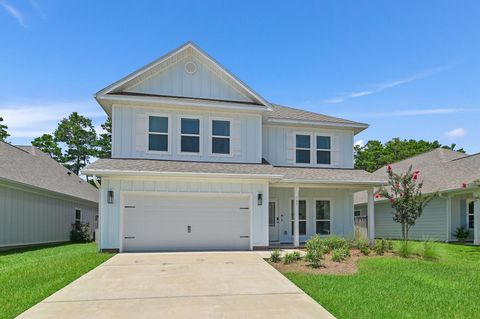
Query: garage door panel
x=161, y=222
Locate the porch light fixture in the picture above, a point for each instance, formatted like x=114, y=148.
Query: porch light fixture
x=110, y=197
x=259, y=199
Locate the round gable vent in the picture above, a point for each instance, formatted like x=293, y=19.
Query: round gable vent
x=190, y=67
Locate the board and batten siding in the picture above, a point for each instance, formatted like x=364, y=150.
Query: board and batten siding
x=279, y=145
x=28, y=218
x=130, y=135
x=110, y=213
x=432, y=224
x=341, y=214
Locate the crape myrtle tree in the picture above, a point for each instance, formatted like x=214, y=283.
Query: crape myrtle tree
x=404, y=192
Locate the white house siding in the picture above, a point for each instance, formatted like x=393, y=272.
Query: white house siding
x=130, y=129
x=33, y=218
x=432, y=224
x=110, y=213
x=341, y=201
x=279, y=145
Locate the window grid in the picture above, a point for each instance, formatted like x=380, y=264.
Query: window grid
x=189, y=134
x=157, y=133
x=218, y=137
x=324, y=150
x=300, y=149
x=319, y=219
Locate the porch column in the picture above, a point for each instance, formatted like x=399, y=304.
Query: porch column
x=371, y=215
x=476, y=220
x=449, y=219
x=296, y=228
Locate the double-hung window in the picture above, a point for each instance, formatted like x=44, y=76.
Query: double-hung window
x=323, y=150
x=189, y=135
x=78, y=219
x=220, y=137
x=470, y=215
x=158, y=133
x=322, y=217
x=302, y=149
x=302, y=217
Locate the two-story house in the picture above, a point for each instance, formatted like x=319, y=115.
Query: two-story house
x=200, y=161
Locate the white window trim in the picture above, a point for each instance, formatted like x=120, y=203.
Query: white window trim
x=300, y=148
x=307, y=206
x=315, y=213
x=323, y=149
x=469, y=201
x=179, y=137
x=211, y=136
x=169, y=136
x=79, y=209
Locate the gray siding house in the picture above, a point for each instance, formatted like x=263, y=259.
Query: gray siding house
x=455, y=177
x=40, y=199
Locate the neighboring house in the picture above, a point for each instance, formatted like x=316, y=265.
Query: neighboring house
x=201, y=161
x=40, y=199
x=456, y=178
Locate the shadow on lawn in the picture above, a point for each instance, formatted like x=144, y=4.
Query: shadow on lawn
x=24, y=249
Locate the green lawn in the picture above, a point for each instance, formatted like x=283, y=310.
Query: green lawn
x=29, y=275
x=392, y=287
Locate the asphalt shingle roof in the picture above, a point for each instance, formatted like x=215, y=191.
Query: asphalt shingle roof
x=30, y=166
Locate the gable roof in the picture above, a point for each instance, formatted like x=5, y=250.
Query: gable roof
x=284, y=115
x=29, y=166
x=188, y=49
x=441, y=170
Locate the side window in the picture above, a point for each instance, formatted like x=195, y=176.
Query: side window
x=220, y=137
x=78, y=218
x=323, y=150
x=470, y=215
x=302, y=149
x=189, y=135
x=158, y=133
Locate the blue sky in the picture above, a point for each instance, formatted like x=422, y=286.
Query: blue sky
x=411, y=69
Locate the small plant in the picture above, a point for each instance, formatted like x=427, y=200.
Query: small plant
x=381, y=246
x=80, y=233
x=297, y=255
x=334, y=242
x=340, y=254
x=290, y=258
x=315, y=251
x=429, y=250
x=364, y=246
x=405, y=250
x=462, y=234
x=275, y=256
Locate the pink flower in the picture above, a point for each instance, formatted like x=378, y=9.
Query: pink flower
x=416, y=172
x=415, y=176
x=389, y=168
x=464, y=185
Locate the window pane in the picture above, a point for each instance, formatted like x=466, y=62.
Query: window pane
x=302, y=209
x=220, y=128
x=220, y=145
x=323, y=142
x=190, y=144
x=470, y=221
x=158, y=142
x=470, y=208
x=323, y=228
x=356, y=213
x=302, y=228
x=78, y=214
x=303, y=156
x=323, y=209
x=190, y=126
x=303, y=141
x=323, y=157
x=271, y=214
x=158, y=124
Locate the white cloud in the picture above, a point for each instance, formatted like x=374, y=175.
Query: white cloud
x=359, y=143
x=14, y=12
x=39, y=9
x=457, y=132
x=388, y=85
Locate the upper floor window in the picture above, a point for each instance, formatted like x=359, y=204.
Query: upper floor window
x=323, y=150
x=220, y=137
x=189, y=135
x=302, y=149
x=158, y=133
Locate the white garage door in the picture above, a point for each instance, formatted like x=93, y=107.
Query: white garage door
x=185, y=222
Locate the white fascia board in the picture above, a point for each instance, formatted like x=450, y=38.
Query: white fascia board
x=330, y=182
x=359, y=126
x=180, y=174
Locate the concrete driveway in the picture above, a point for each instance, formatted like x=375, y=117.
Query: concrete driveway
x=180, y=285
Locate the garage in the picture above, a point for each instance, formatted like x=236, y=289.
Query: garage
x=185, y=222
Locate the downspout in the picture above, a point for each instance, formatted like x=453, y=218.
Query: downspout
x=97, y=231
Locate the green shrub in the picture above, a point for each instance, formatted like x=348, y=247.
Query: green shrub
x=297, y=255
x=334, y=242
x=364, y=246
x=275, y=256
x=290, y=258
x=405, y=250
x=462, y=234
x=80, y=233
x=429, y=250
x=315, y=251
x=381, y=246
x=340, y=254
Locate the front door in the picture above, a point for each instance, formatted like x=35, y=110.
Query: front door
x=273, y=221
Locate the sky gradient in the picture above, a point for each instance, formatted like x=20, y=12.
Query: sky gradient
x=410, y=69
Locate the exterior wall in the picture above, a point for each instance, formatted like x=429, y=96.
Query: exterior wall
x=130, y=131
x=110, y=213
x=341, y=201
x=279, y=145
x=432, y=224
x=33, y=218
